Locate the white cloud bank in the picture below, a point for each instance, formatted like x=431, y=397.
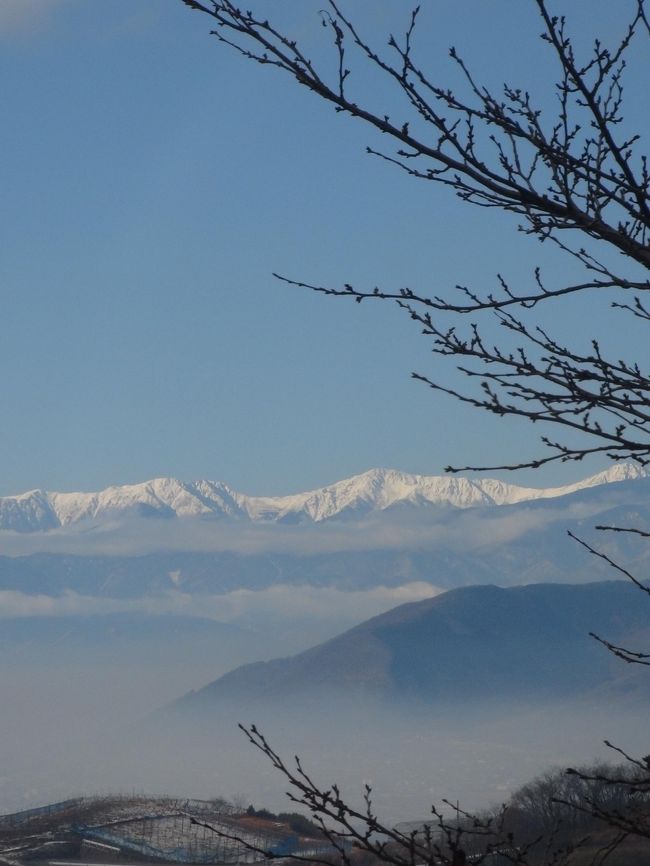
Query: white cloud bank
x=458, y=530
x=279, y=602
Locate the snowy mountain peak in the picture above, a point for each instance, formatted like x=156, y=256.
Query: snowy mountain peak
x=162, y=497
x=373, y=491
x=619, y=472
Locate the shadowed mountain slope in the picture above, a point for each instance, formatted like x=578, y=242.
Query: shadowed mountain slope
x=468, y=643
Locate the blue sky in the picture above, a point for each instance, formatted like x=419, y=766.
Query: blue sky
x=152, y=181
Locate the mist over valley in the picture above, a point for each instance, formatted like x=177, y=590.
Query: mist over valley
x=123, y=640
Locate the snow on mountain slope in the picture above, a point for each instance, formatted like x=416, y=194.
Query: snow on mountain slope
x=375, y=490
x=379, y=489
x=28, y=512
x=163, y=497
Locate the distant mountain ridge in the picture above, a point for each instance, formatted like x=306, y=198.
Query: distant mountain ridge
x=373, y=491
x=479, y=642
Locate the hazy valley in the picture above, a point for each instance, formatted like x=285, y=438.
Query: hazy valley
x=110, y=619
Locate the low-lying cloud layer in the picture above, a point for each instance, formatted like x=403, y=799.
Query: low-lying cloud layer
x=70, y=717
x=470, y=529
x=241, y=605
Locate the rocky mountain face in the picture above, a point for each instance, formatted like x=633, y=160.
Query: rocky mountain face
x=480, y=642
x=375, y=491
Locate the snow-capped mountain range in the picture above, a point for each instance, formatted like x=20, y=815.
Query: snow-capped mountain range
x=372, y=491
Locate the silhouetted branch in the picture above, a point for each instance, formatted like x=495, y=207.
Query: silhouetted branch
x=447, y=840
x=573, y=171
x=632, y=530
x=573, y=177
x=642, y=586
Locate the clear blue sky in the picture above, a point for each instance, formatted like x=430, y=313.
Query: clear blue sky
x=152, y=181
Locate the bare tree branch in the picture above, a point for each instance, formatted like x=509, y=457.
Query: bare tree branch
x=569, y=172
x=572, y=177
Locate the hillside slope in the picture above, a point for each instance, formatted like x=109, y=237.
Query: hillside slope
x=473, y=642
